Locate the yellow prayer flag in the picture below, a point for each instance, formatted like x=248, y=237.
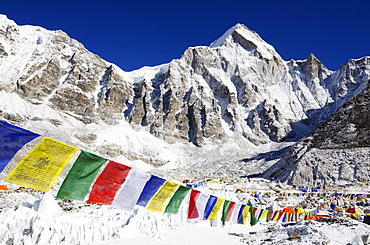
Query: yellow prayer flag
x=276, y=216
x=42, y=166
x=215, y=209
x=245, y=214
x=263, y=215
x=157, y=203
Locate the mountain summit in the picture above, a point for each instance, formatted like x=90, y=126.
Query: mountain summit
x=234, y=100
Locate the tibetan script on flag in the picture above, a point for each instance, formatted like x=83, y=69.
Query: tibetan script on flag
x=42, y=166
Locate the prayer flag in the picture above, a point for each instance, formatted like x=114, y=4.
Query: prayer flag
x=175, y=202
x=263, y=214
x=216, y=208
x=108, y=183
x=209, y=206
x=245, y=214
x=82, y=174
x=253, y=217
x=12, y=139
x=276, y=215
x=42, y=166
x=150, y=188
x=201, y=205
x=157, y=203
x=234, y=218
x=130, y=190
x=284, y=217
x=231, y=209
x=225, y=210
x=269, y=215
x=280, y=215
x=193, y=211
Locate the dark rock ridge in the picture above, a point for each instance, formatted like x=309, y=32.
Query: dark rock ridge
x=338, y=150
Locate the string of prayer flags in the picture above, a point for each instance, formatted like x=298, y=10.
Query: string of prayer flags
x=209, y=206
x=176, y=200
x=130, y=191
x=108, y=183
x=216, y=208
x=42, y=166
x=157, y=203
x=78, y=181
x=12, y=140
x=193, y=211
x=150, y=188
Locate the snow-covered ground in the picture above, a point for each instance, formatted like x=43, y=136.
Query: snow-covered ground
x=37, y=218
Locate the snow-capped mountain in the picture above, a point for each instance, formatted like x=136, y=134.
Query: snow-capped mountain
x=337, y=151
x=230, y=101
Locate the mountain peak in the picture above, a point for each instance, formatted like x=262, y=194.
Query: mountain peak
x=246, y=38
x=222, y=39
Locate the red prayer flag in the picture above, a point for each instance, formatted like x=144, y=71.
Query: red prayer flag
x=108, y=183
x=230, y=211
x=193, y=211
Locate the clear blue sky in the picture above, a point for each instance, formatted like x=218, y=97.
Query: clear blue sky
x=136, y=33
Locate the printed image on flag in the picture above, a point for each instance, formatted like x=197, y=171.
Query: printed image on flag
x=42, y=166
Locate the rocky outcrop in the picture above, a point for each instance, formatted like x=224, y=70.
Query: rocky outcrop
x=339, y=150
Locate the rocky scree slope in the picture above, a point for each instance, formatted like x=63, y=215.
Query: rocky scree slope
x=336, y=152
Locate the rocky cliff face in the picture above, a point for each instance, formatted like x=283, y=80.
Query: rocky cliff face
x=337, y=151
x=237, y=90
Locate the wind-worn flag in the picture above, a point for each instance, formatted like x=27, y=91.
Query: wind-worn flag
x=230, y=211
x=263, y=214
x=42, y=166
x=151, y=187
x=216, y=208
x=225, y=210
x=276, y=215
x=284, y=217
x=240, y=214
x=81, y=176
x=253, y=217
x=209, y=206
x=176, y=200
x=12, y=139
x=234, y=217
x=108, y=183
x=280, y=215
x=269, y=215
x=201, y=205
x=130, y=190
x=158, y=202
x=246, y=214
x=193, y=211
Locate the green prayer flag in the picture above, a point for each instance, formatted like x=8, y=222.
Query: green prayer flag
x=253, y=217
x=225, y=210
x=268, y=216
x=81, y=176
x=175, y=202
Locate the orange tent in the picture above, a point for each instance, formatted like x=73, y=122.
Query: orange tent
x=3, y=188
x=314, y=217
x=289, y=210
